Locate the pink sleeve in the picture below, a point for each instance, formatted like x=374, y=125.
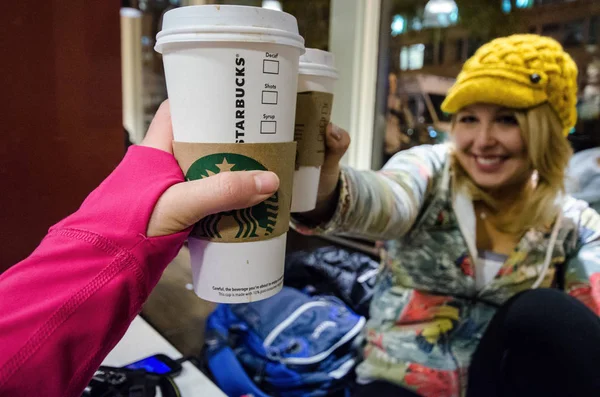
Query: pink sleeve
x=66, y=306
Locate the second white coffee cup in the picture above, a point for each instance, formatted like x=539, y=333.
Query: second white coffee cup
x=316, y=74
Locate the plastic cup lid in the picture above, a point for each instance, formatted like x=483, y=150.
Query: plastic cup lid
x=228, y=23
x=318, y=62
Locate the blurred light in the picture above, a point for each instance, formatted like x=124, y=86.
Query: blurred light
x=433, y=133
x=453, y=17
x=416, y=24
x=398, y=25
x=440, y=6
x=440, y=13
x=272, y=5
x=129, y=12
x=507, y=5
x=524, y=3
x=409, y=131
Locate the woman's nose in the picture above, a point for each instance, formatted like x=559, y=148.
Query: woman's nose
x=485, y=136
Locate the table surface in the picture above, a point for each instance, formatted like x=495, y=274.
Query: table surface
x=141, y=340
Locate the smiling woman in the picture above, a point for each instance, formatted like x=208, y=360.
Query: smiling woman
x=472, y=229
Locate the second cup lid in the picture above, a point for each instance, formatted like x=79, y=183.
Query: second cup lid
x=318, y=62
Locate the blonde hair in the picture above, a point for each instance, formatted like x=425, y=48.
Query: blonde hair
x=549, y=153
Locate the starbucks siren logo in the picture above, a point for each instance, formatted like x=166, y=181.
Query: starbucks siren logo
x=257, y=221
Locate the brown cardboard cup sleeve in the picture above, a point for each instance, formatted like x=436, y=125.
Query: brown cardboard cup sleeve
x=264, y=221
x=313, y=112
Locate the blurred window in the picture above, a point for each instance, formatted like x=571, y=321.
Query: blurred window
x=472, y=46
x=460, y=45
x=552, y=30
x=429, y=55
x=573, y=33
x=412, y=57
x=594, y=30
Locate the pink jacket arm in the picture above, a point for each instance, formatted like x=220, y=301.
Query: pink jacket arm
x=66, y=306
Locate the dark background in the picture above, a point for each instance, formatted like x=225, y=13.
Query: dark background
x=61, y=113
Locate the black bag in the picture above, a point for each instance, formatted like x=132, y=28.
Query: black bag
x=334, y=271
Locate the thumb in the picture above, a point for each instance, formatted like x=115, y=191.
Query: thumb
x=160, y=132
x=184, y=204
x=337, y=141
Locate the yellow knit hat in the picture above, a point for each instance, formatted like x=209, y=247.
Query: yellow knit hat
x=518, y=72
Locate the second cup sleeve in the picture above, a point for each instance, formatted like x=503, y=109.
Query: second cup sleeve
x=313, y=112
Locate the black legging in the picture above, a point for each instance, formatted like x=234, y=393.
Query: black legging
x=540, y=343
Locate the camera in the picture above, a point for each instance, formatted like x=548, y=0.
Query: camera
x=121, y=382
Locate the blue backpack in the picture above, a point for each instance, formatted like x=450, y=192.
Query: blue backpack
x=288, y=345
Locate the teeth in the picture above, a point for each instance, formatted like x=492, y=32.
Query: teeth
x=488, y=160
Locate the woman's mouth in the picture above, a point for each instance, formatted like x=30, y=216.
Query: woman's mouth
x=489, y=163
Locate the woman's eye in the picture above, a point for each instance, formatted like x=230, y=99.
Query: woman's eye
x=467, y=119
x=508, y=119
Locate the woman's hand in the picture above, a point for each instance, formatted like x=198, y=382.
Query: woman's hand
x=185, y=203
x=337, y=141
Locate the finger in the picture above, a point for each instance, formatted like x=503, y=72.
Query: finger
x=337, y=142
x=160, y=133
x=222, y=192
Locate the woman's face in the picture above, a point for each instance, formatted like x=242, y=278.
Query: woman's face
x=489, y=146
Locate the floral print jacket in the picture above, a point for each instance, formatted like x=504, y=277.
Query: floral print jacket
x=427, y=316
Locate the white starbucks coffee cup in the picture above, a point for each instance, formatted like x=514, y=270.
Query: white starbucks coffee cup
x=231, y=75
x=316, y=78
